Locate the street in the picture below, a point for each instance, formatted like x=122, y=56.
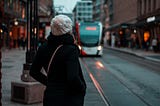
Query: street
x=115, y=79
x=124, y=36
x=12, y=66
x=125, y=80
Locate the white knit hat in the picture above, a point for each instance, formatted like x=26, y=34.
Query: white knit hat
x=61, y=24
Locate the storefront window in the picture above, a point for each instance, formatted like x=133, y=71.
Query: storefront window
x=146, y=36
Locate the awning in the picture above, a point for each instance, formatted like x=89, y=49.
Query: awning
x=122, y=25
x=144, y=22
x=112, y=27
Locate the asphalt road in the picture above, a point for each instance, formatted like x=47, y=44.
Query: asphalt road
x=115, y=79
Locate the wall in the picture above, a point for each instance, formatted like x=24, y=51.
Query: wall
x=124, y=11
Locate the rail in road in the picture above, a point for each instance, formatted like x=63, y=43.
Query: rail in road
x=107, y=77
x=97, y=85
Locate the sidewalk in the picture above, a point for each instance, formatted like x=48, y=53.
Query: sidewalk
x=139, y=52
x=12, y=66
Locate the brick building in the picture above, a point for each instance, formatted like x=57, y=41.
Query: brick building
x=122, y=15
x=98, y=11
x=134, y=16
x=148, y=21
x=14, y=17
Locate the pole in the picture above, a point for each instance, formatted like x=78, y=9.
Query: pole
x=0, y=74
x=28, y=44
x=32, y=17
x=31, y=90
x=1, y=20
x=35, y=26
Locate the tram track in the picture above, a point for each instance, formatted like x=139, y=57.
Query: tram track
x=96, y=84
x=125, y=85
x=100, y=89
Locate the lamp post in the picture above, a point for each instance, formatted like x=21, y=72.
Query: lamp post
x=30, y=49
x=32, y=33
x=29, y=91
x=0, y=73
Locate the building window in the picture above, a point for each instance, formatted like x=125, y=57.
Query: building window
x=140, y=7
x=10, y=4
x=145, y=7
x=23, y=12
x=149, y=5
x=88, y=4
x=154, y=5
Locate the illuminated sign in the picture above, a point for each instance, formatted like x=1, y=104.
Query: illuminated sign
x=150, y=19
x=91, y=28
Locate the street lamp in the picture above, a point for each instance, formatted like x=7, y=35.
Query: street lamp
x=16, y=22
x=29, y=86
x=0, y=76
x=32, y=27
x=1, y=31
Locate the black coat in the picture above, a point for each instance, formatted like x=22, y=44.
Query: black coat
x=65, y=79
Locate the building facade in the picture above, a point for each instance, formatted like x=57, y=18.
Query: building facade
x=14, y=19
x=98, y=11
x=138, y=17
x=122, y=15
x=45, y=14
x=83, y=11
x=148, y=22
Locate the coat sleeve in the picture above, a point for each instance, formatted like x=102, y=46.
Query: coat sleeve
x=35, y=70
x=74, y=73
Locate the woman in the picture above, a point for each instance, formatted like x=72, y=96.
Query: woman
x=65, y=85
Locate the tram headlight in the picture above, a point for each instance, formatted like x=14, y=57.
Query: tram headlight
x=99, y=48
x=80, y=48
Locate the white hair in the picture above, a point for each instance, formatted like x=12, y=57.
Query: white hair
x=61, y=24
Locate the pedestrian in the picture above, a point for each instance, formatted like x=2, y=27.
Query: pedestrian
x=154, y=44
x=19, y=42
x=23, y=42
x=65, y=85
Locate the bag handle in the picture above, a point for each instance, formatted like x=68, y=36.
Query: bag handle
x=52, y=58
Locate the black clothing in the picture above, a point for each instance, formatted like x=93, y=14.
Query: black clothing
x=65, y=79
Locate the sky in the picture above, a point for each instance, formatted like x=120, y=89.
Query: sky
x=68, y=4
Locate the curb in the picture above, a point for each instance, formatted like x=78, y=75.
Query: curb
x=134, y=54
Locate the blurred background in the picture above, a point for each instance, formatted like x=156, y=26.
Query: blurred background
x=125, y=20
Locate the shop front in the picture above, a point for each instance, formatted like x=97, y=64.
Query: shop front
x=149, y=29
x=122, y=33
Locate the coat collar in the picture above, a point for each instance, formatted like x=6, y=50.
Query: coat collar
x=61, y=39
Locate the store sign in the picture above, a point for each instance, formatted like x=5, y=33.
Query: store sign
x=151, y=19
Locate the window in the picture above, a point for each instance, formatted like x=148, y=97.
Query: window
x=88, y=4
x=149, y=5
x=140, y=7
x=145, y=6
x=154, y=5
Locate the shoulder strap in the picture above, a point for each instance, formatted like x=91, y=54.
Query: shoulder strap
x=52, y=58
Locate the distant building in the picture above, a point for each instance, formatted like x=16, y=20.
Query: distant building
x=148, y=20
x=134, y=16
x=83, y=11
x=60, y=9
x=13, y=20
x=98, y=11
x=45, y=13
x=13, y=15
